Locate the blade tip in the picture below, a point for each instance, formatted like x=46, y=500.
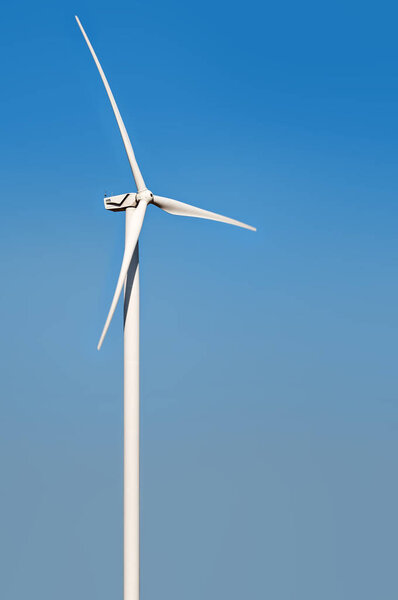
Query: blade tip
x=249, y=227
x=78, y=22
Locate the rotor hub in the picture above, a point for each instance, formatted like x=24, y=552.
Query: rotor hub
x=145, y=196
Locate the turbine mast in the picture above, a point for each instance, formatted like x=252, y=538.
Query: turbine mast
x=131, y=425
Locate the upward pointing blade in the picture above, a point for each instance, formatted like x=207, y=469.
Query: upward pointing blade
x=126, y=140
x=131, y=242
x=181, y=209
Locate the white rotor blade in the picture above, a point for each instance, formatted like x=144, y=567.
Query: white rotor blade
x=175, y=207
x=131, y=242
x=126, y=140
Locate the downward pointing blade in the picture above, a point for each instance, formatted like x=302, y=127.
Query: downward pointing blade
x=131, y=242
x=126, y=140
x=175, y=207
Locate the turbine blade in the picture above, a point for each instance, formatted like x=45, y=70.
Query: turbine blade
x=131, y=242
x=175, y=207
x=126, y=140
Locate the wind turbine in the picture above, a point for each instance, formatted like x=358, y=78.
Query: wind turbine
x=135, y=205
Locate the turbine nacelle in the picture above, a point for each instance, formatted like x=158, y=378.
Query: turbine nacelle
x=120, y=202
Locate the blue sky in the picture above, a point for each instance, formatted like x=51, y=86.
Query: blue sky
x=269, y=380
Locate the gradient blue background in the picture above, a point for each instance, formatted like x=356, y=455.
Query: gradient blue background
x=269, y=360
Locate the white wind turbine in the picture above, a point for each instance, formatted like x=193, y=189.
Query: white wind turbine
x=135, y=206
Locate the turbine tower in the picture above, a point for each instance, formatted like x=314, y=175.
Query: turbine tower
x=135, y=205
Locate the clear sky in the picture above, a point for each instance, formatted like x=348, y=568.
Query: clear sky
x=269, y=360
